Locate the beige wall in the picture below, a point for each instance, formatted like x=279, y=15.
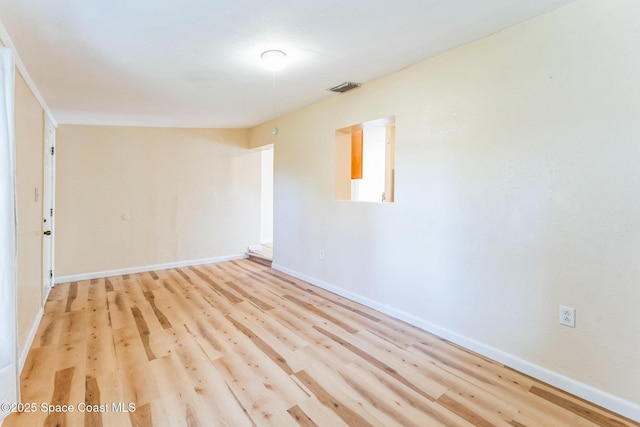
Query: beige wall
x=29, y=131
x=517, y=190
x=188, y=194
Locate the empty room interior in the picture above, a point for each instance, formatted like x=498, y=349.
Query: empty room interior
x=389, y=213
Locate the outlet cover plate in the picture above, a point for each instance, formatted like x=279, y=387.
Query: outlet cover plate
x=568, y=316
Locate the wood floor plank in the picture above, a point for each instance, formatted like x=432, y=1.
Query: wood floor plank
x=136, y=379
x=335, y=390
x=162, y=319
x=73, y=293
x=209, y=386
x=262, y=345
x=315, y=310
x=48, y=331
x=141, y=417
x=111, y=393
x=282, y=342
x=178, y=394
x=92, y=399
x=470, y=367
x=143, y=331
x=119, y=310
x=100, y=349
x=433, y=390
x=318, y=414
x=497, y=381
x=180, y=315
x=150, y=318
x=232, y=297
x=303, y=324
x=576, y=407
x=55, y=307
x=61, y=396
x=251, y=362
x=200, y=294
x=465, y=376
x=96, y=296
x=72, y=341
x=465, y=412
x=108, y=286
x=348, y=415
x=263, y=408
x=38, y=373
x=255, y=300
x=390, y=400
x=238, y=344
x=257, y=288
x=387, y=401
x=352, y=312
x=434, y=413
x=301, y=418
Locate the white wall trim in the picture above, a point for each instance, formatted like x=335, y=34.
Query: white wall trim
x=142, y=269
x=6, y=39
x=585, y=391
x=29, y=342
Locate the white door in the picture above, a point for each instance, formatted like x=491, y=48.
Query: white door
x=47, y=208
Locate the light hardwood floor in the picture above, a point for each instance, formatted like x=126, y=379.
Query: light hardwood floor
x=239, y=344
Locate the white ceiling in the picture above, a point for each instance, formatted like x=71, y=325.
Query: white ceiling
x=196, y=63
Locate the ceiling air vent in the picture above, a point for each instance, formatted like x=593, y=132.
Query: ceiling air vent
x=343, y=87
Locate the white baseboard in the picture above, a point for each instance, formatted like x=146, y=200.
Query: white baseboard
x=142, y=269
x=32, y=334
x=585, y=391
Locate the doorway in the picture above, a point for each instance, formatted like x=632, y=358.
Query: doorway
x=263, y=253
x=266, y=197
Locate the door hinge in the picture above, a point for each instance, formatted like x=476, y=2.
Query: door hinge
x=50, y=274
x=52, y=150
x=51, y=212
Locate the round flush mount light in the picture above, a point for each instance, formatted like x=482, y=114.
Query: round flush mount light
x=273, y=60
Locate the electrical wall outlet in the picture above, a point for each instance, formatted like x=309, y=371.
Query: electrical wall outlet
x=321, y=255
x=568, y=316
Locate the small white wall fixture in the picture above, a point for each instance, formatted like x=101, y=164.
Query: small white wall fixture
x=9, y=391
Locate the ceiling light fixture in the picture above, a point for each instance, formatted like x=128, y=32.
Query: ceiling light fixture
x=273, y=60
